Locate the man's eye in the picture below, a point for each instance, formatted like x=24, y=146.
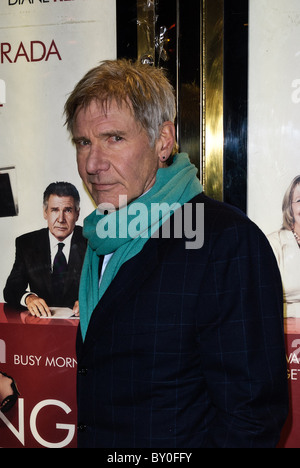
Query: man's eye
x=117, y=138
x=81, y=142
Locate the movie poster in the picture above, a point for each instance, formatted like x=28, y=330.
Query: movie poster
x=274, y=135
x=46, y=46
x=274, y=163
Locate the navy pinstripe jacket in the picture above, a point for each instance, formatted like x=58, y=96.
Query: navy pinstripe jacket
x=186, y=347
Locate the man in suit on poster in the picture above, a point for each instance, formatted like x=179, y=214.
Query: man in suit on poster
x=179, y=345
x=48, y=262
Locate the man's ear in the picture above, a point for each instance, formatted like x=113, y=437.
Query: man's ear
x=166, y=141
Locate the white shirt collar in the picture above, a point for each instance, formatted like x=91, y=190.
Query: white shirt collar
x=54, y=245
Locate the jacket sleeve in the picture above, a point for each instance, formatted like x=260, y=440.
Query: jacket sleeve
x=241, y=339
x=17, y=281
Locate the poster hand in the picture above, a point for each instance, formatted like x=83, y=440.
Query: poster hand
x=76, y=309
x=37, y=306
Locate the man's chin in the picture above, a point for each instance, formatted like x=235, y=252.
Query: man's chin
x=109, y=204
x=60, y=234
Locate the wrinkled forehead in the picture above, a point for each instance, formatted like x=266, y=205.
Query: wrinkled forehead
x=55, y=201
x=102, y=107
x=96, y=120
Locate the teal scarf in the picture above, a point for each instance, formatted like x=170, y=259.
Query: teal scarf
x=126, y=231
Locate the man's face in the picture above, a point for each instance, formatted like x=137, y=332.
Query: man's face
x=61, y=215
x=114, y=156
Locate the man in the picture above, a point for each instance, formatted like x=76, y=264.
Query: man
x=179, y=345
x=50, y=260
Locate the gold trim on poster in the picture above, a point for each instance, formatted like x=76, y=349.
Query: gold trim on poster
x=212, y=97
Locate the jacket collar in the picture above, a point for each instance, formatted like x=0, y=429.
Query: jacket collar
x=128, y=281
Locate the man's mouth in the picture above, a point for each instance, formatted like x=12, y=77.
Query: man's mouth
x=100, y=187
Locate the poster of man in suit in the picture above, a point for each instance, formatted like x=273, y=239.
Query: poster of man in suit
x=35, y=281
x=45, y=46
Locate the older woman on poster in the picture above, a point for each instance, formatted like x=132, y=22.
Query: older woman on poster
x=286, y=246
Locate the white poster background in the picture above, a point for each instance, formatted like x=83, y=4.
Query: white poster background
x=274, y=107
x=32, y=133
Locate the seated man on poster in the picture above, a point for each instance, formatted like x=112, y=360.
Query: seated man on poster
x=49, y=260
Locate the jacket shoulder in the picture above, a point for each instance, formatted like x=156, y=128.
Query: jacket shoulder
x=220, y=215
x=32, y=236
x=78, y=235
x=229, y=225
x=78, y=230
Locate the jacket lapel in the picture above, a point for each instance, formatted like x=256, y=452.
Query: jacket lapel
x=44, y=256
x=76, y=257
x=74, y=261
x=129, y=279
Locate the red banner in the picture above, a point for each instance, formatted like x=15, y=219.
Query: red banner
x=40, y=355
x=290, y=437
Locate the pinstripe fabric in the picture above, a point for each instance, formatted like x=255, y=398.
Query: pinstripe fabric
x=186, y=347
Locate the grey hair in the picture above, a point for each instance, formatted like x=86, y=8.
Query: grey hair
x=145, y=89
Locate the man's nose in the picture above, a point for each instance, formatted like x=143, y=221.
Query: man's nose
x=61, y=217
x=97, y=160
